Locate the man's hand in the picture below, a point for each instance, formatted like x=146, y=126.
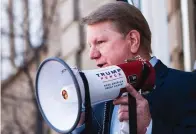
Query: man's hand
x=143, y=112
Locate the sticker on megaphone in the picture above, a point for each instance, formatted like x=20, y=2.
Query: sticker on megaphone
x=69, y=94
x=105, y=83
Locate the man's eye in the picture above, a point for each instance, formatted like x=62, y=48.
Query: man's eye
x=100, y=42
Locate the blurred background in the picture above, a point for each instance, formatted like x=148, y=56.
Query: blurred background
x=32, y=30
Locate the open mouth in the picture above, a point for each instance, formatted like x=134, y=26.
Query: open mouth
x=101, y=65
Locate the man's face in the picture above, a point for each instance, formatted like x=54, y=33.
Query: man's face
x=107, y=45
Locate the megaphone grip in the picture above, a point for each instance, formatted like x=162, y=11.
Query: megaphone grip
x=87, y=105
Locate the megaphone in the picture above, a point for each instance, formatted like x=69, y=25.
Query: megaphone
x=60, y=90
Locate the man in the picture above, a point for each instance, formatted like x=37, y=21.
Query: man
x=118, y=31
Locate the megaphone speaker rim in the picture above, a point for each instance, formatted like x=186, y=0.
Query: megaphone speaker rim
x=77, y=90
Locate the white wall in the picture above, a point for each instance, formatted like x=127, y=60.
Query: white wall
x=188, y=34
x=155, y=12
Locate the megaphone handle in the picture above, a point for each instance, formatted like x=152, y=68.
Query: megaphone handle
x=88, y=108
x=132, y=114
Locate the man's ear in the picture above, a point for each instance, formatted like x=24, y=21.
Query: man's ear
x=133, y=38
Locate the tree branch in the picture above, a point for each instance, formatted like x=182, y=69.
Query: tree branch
x=11, y=28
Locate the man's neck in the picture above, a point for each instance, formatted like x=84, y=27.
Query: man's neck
x=145, y=56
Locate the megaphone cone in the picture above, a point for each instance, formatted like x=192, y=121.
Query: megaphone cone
x=60, y=90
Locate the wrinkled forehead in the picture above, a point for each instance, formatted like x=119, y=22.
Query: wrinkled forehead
x=100, y=30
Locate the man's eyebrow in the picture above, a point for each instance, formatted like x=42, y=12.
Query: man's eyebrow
x=94, y=41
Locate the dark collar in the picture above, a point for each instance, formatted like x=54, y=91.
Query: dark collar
x=161, y=71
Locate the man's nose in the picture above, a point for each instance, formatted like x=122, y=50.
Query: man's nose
x=94, y=53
